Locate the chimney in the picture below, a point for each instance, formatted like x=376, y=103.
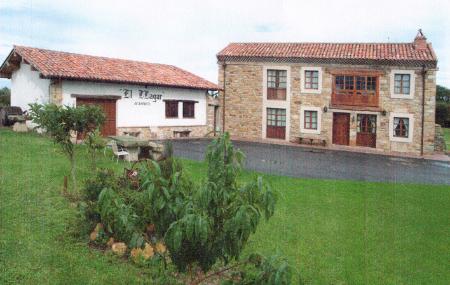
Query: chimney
x=420, y=41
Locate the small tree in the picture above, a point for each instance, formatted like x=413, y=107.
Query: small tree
x=94, y=142
x=62, y=123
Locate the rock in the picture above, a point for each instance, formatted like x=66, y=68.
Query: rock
x=110, y=242
x=119, y=248
x=136, y=253
x=160, y=247
x=93, y=236
x=20, y=127
x=148, y=251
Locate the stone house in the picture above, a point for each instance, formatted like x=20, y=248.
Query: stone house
x=355, y=95
x=145, y=99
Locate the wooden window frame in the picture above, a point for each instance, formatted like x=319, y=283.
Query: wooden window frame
x=309, y=75
x=309, y=125
x=392, y=128
x=189, y=113
x=404, y=130
x=402, y=81
x=352, y=94
x=168, y=109
x=278, y=117
x=276, y=92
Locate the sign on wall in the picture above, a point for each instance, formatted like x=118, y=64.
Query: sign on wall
x=142, y=97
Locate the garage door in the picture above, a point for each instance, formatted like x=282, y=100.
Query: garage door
x=109, y=107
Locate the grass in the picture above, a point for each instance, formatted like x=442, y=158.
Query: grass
x=447, y=137
x=332, y=232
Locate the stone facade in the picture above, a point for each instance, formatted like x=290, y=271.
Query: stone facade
x=56, y=94
x=243, y=98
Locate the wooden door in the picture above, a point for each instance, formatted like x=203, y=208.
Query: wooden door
x=366, y=133
x=276, y=123
x=109, y=107
x=341, y=128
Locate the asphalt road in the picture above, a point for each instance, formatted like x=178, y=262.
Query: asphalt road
x=327, y=164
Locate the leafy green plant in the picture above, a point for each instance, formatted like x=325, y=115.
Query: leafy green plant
x=212, y=222
x=260, y=270
x=117, y=216
x=64, y=122
x=95, y=143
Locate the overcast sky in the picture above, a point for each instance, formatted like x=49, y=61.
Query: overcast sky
x=188, y=33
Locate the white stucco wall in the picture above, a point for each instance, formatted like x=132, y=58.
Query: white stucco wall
x=27, y=87
x=140, y=112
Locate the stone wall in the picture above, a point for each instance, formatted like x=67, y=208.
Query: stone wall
x=56, y=95
x=165, y=132
x=243, y=102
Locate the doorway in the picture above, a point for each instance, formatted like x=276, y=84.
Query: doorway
x=341, y=128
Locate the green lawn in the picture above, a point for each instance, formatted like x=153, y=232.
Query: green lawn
x=333, y=232
x=447, y=137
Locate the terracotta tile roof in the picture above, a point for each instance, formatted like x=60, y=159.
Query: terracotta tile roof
x=379, y=53
x=56, y=64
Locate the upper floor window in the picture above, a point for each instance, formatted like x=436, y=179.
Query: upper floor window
x=402, y=83
x=355, y=85
x=171, y=109
x=188, y=109
x=276, y=84
x=355, y=90
x=311, y=79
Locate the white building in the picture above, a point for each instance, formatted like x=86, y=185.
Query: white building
x=154, y=100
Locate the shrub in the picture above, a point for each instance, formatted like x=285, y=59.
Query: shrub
x=443, y=114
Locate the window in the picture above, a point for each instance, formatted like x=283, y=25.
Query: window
x=402, y=83
x=276, y=117
x=401, y=127
x=171, y=109
x=355, y=85
x=310, y=120
x=188, y=109
x=276, y=84
x=311, y=79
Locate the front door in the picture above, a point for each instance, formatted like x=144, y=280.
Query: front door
x=276, y=123
x=341, y=128
x=366, y=133
x=109, y=107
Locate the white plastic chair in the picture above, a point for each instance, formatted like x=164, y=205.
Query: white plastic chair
x=118, y=151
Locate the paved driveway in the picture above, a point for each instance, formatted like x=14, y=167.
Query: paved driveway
x=330, y=164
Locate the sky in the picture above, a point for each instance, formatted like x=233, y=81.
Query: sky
x=190, y=33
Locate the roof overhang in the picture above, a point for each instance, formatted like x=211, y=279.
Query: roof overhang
x=351, y=61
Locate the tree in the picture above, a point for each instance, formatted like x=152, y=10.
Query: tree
x=5, y=97
x=62, y=123
x=442, y=94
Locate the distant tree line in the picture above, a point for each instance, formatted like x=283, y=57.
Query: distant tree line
x=5, y=97
x=442, y=106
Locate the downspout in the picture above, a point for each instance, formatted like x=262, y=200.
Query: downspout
x=223, y=106
x=424, y=72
